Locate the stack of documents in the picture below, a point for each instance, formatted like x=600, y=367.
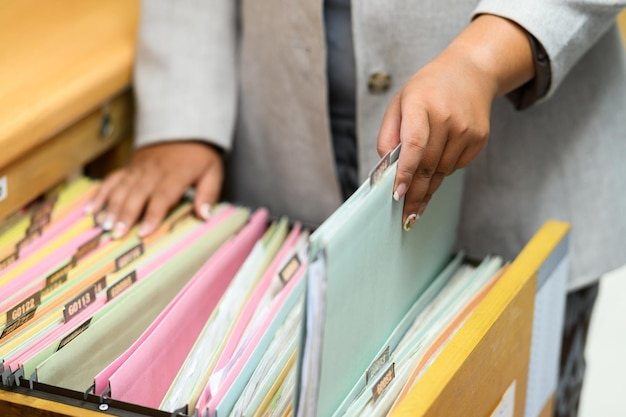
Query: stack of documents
x=239, y=315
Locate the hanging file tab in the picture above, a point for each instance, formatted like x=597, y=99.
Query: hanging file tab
x=8, y=260
x=289, y=270
x=59, y=274
x=380, y=168
x=80, y=329
x=86, y=248
x=129, y=256
x=21, y=313
x=28, y=239
x=78, y=304
x=378, y=364
x=121, y=285
x=383, y=382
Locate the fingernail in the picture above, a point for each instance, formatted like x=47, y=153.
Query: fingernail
x=205, y=211
x=144, y=229
x=107, y=224
x=88, y=210
x=410, y=220
x=119, y=230
x=421, y=209
x=97, y=218
x=400, y=192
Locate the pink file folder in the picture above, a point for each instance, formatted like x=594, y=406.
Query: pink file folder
x=63, y=328
x=147, y=374
x=210, y=399
x=246, y=315
x=142, y=272
x=102, y=379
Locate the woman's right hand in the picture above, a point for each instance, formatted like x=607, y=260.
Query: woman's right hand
x=154, y=181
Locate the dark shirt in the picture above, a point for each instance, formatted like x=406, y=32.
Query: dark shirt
x=341, y=71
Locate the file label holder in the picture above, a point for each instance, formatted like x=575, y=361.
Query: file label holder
x=39, y=223
x=23, y=308
x=129, y=256
x=16, y=324
x=289, y=270
x=7, y=261
x=384, y=381
x=53, y=285
x=44, y=209
x=59, y=274
x=20, y=314
x=100, y=285
x=84, y=249
x=121, y=285
x=78, y=304
x=380, y=169
x=74, y=334
x=378, y=364
x=28, y=239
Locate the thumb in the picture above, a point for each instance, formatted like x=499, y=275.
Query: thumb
x=389, y=134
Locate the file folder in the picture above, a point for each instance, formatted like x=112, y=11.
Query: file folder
x=371, y=273
x=147, y=374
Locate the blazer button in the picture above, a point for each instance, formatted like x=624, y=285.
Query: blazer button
x=379, y=82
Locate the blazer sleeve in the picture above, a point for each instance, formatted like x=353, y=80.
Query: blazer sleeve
x=185, y=77
x=565, y=28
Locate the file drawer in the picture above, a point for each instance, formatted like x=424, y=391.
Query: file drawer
x=489, y=352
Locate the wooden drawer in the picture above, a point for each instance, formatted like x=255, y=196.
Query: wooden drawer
x=65, y=65
x=37, y=171
x=488, y=353
x=492, y=349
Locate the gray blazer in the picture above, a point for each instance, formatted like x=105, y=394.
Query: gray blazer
x=250, y=76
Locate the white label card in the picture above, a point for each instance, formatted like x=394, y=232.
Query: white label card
x=506, y=407
x=4, y=188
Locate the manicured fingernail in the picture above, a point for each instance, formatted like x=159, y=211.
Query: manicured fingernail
x=107, y=224
x=410, y=220
x=421, y=209
x=88, y=210
x=119, y=230
x=205, y=211
x=98, y=218
x=400, y=192
x=144, y=229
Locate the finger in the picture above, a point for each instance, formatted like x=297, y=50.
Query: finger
x=468, y=156
x=414, y=135
x=389, y=134
x=447, y=165
x=167, y=193
x=103, y=191
x=424, y=174
x=207, y=192
x=457, y=154
x=118, y=197
x=135, y=202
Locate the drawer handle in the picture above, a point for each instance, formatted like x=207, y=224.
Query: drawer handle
x=107, y=127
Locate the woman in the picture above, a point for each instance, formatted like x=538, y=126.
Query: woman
x=297, y=96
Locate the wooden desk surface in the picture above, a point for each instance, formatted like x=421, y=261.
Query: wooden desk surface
x=59, y=60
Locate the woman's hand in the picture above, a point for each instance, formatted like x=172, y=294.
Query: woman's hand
x=441, y=115
x=154, y=181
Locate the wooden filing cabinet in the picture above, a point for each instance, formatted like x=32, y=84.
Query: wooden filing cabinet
x=68, y=102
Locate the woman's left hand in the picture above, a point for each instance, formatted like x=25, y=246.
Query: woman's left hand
x=442, y=114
